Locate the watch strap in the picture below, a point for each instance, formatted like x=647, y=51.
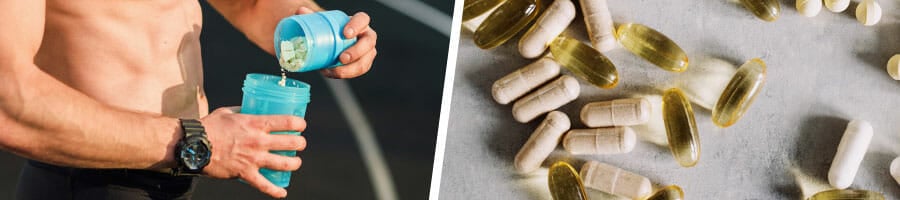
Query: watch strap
x=190, y=128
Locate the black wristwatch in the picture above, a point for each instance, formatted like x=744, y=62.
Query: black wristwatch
x=193, y=152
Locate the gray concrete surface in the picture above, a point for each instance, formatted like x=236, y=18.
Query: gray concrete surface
x=822, y=73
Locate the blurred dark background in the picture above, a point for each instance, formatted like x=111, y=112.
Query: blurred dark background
x=400, y=96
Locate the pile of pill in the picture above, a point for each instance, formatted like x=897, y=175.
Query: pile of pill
x=293, y=53
x=538, y=89
x=868, y=12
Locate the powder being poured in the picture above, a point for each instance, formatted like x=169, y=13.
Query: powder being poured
x=293, y=53
x=283, y=78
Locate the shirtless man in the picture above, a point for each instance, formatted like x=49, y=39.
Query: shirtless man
x=92, y=92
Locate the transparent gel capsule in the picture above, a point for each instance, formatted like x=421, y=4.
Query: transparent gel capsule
x=475, y=8
x=585, y=62
x=507, y=20
x=652, y=46
x=681, y=129
x=740, y=93
x=847, y=195
x=672, y=192
x=767, y=10
x=565, y=184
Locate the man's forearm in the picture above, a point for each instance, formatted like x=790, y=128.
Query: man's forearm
x=45, y=120
x=257, y=19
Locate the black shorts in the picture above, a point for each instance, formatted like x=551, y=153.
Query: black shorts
x=44, y=181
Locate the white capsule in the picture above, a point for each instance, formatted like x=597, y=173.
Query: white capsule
x=550, y=97
x=599, y=23
x=519, y=82
x=610, y=140
x=837, y=5
x=542, y=142
x=553, y=22
x=893, y=67
x=850, y=153
x=619, y=112
x=809, y=8
x=868, y=12
x=614, y=180
x=895, y=169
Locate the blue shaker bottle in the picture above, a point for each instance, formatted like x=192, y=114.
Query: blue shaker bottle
x=263, y=96
x=320, y=35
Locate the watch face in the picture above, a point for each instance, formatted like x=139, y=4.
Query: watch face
x=194, y=154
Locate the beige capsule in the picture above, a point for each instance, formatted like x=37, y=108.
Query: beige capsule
x=542, y=142
x=611, y=140
x=619, y=112
x=599, y=24
x=519, y=82
x=614, y=180
x=550, y=97
x=553, y=22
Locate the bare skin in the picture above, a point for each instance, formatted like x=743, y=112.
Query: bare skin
x=101, y=84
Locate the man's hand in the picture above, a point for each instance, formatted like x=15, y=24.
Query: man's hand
x=241, y=144
x=358, y=58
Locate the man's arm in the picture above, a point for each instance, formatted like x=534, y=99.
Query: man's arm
x=258, y=19
x=43, y=119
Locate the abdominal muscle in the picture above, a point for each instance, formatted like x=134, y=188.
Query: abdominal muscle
x=137, y=55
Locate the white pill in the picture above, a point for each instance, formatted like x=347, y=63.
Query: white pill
x=553, y=22
x=895, y=169
x=868, y=12
x=850, y=153
x=809, y=8
x=610, y=140
x=542, y=142
x=599, y=23
x=893, y=67
x=550, y=97
x=837, y=5
x=519, y=82
x=614, y=180
x=619, y=112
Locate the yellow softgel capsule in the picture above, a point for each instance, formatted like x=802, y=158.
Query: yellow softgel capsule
x=565, y=184
x=838, y=194
x=507, y=20
x=681, y=129
x=672, y=192
x=767, y=10
x=585, y=62
x=652, y=46
x=740, y=93
x=475, y=8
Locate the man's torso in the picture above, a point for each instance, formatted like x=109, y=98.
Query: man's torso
x=136, y=55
